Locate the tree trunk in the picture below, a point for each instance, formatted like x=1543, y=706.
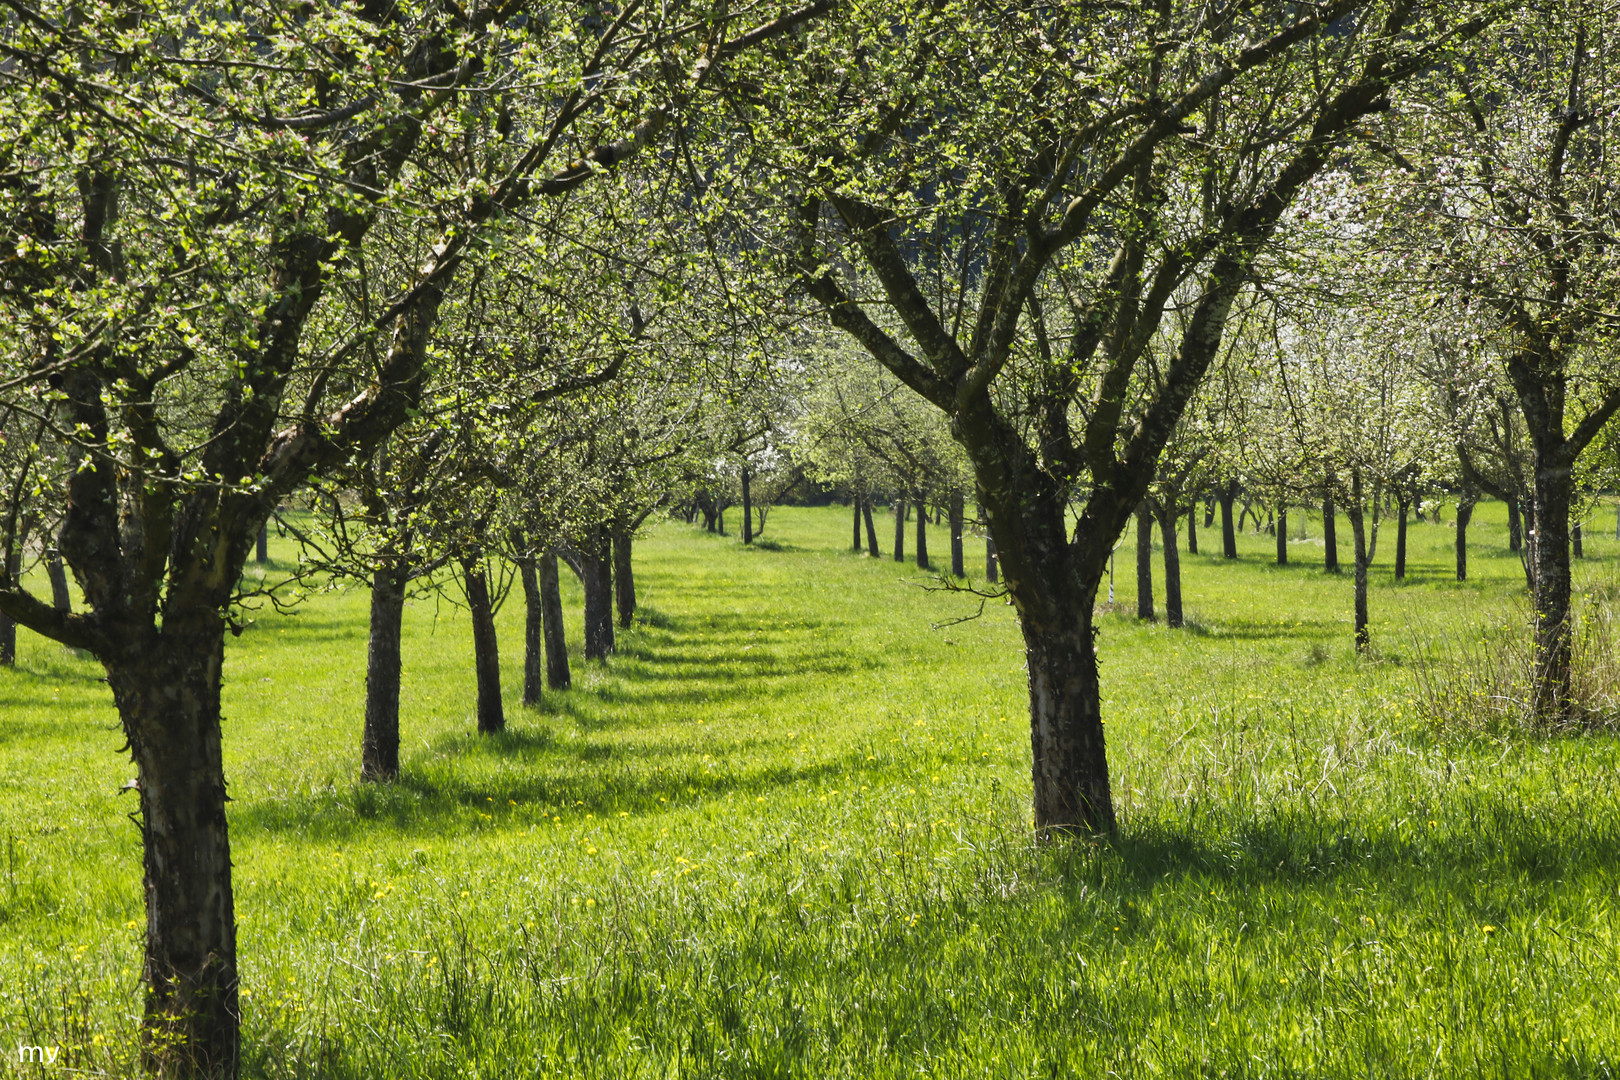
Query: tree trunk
x=871, y=530
x=1549, y=551
x=624, y=579
x=1209, y=511
x=8, y=628
x=1575, y=540
x=720, y=521
x=1363, y=559
x=486, y=650
x=557, y=674
x=1144, y=562
x=992, y=567
x=958, y=568
x=1465, y=513
x=1330, y=530
x=534, y=663
x=262, y=554
x=1515, y=530
x=899, y=529
x=1228, y=531
x=61, y=598
x=379, y=744
x=1402, y=506
x=1069, y=755
x=166, y=684
x=1166, y=513
x=922, y=535
x=855, y=510
x=596, y=575
x=747, y=509
x=1282, y=536
x=1192, y=528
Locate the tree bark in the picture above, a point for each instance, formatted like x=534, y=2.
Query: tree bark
x=379, y=744
x=8, y=628
x=1575, y=541
x=1330, y=530
x=534, y=664
x=1144, y=562
x=1166, y=513
x=747, y=509
x=899, y=529
x=557, y=674
x=61, y=597
x=1228, y=530
x=1402, y=506
x=992, y=567
x=1549, y=554
x=1192, y=528
x=871, y=530
x=958, y=568
x=596, y=576
x=1515, y=530
x=1209, y=511
x=624, y=578
x=166, y=684
x=1282, y=536
x=1365, y=546
x=1465, y=513
x=486, y=650
x=262, y=552
x=855, y=510
x=922, y=535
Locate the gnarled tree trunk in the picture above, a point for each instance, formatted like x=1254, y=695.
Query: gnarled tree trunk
x=166, y=684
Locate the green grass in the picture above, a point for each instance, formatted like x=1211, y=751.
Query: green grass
x=784, y=832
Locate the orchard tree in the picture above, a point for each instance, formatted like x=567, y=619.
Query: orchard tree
x=183, y=192
x=999, y=204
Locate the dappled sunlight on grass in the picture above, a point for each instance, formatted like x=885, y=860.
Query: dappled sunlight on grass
x=784, y=832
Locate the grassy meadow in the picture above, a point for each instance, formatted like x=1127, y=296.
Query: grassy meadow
x=784, y=832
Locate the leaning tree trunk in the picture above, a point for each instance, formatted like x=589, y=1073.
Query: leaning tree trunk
x=1402, y=505
x=166, y=685
x=557, y=674
x=871, y=529
x=379, y=744
x=534, y=663
x=958, y=568
x=855, y=510
x=1228, y=529
x=1465, y=513
x=624, y=579
x=1166, y=513
x=922, y=535
x=596, y=575
x=1282, y=536
x=1144, y=563
x=747, y=510
x=1549, y=553
x=61, y=598
x=899, y=529
x=486, y=649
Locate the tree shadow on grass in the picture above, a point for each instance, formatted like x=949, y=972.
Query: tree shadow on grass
x=446, y=797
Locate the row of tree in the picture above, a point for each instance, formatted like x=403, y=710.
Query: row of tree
x=485, y=284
